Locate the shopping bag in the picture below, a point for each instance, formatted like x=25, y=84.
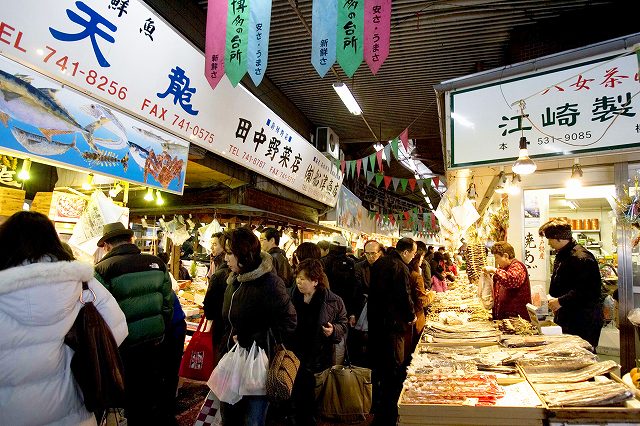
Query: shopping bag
x=113, y=417
x=485, y=290
x=96, y=364
x=209, y=412
x=343, y=393
x=226, y=377
x=363, y=322
x=199, y=358
x=254, y=379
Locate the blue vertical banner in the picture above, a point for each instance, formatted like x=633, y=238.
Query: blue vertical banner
x=258, y=48
x=324, y=20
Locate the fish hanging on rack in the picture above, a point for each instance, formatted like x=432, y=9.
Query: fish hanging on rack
x=105, y=158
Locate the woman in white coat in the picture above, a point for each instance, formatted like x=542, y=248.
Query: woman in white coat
x=40, y=286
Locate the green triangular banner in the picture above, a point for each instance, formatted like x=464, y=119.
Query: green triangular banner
x=371, y=214
x=370, y=176
x=352, y=168
x=372, y=162
x=379, y=178
x=394, y=147
x=403, y=184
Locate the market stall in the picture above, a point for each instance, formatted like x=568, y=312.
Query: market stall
x=468, y=369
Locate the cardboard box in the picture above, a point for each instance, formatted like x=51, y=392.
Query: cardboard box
x=11, y=200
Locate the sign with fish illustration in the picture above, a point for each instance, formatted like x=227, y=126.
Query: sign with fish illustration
x=133, y=61
x=41, y=119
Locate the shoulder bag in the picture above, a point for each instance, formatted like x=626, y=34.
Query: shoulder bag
x=283, y=369
x=96, y=363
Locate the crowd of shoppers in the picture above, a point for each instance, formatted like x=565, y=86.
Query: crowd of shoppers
x=254, y=296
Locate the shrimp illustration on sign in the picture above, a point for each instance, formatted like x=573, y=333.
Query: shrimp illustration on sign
x=163, y=168
x=106, y=119
x=23, y=102
x=106, y=158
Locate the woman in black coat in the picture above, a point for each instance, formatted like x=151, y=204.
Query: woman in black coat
x=255, y=302
x=322, y=322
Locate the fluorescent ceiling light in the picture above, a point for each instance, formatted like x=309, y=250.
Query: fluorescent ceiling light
x=347, y=98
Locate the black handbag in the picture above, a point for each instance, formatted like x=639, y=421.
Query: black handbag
x=96, y=363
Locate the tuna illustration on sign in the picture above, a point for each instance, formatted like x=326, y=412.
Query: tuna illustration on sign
x=106, y=119
x=151, y=136
x=139, y=153
x=40, y=145
x=23, y=102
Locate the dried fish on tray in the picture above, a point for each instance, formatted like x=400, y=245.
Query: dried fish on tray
x=557, y=358
x=480, y=388
x=472, y=332
x=580, y=375
x=516, y=325
x=437, y=364
x=523, y=341
x=584, y=394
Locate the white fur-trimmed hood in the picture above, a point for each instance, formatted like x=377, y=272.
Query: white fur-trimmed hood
x=35, y=274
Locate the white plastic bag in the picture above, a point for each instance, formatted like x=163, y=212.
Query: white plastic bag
x=485, y=290
x=226, y=377
x=254, y=380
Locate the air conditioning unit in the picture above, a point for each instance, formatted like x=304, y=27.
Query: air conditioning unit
x=328, y=142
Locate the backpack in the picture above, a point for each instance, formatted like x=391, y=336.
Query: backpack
x=341, y=272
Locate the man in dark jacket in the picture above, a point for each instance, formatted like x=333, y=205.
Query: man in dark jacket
x=390, y=313
x=270, y=242
x=425, y=266
x=214, y=297
x=575, y=284
x=358, y=338
x=141, y=285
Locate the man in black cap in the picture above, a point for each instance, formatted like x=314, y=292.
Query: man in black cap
x=575, y=284
x=141, y=285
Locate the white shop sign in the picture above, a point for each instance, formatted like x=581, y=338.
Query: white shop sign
x=581, y=107
x=127, y=56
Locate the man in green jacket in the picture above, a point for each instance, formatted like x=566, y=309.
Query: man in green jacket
x=141, y=285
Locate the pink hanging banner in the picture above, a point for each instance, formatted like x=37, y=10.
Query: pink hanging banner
x=377, y=32
x=404, y=137
x=358, y=166
x=215, y=41
x=387, y=182
x=379, y=158
x=412, y=184
x=342, y=165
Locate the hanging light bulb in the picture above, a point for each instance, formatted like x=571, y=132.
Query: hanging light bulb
x=502, y=181
x=88, y=184
x=117, y=188
x=149, y=195
x=159, y=199
x=514, y=187
x=575, y=181
x=24, y=171
x=524, y=165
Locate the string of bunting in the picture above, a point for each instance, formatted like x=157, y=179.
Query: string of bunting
x=367, y=167
x=421, y=222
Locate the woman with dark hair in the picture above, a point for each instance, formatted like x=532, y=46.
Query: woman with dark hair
x=255, y=306
x=421, y=298
x=322, y=322
x=40, y=288
x=306, y=250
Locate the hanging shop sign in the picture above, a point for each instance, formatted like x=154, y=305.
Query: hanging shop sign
x=582, y=107
x=45, y=120
x=124, y=54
